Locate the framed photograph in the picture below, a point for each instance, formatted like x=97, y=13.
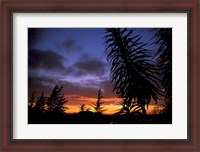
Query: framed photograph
x=99, y=75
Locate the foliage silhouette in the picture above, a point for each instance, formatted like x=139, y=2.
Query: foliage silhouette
x=36, y=108
x=56, y=101
x=135, y=79
x=97, y=108
x=40, y=103
x=132, y=71
x=167, y=111
x=82, y=108
x=163, y=38
x=36, y=105
x=46, y=109
x=92, y=115
x=31, y=100
x=127, y=109
x=39, y=113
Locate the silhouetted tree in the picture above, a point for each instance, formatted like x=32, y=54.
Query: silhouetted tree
x=97, y=106
x=49, y=109
x=37, y=104
x=40, y=103
x=163, y=39
x=56, y=101
x=132, y=71
x=36, y=108
x=31, y=100
x=82, y=108
x=167, y=111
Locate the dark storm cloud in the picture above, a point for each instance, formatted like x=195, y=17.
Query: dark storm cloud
x=89, y=88
x=38, y=83
x=90, y=66
x=107, y=86
x=45, y=60
x=76, y=88
x=69, y=45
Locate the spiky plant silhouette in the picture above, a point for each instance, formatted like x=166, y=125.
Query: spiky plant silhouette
x=37, y=103
x=40, y=102
x=97, y=107
x=132, y=71
x=82, y=108
x=128, y=108
x=47, y=109
x=56, y=101
x=163, y=39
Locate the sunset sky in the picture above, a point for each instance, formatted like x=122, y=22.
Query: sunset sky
x=74, y=58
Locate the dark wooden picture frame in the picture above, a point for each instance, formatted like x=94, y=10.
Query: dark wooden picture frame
x=8, y=7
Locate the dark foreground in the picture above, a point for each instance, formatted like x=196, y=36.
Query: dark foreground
x=95, y=118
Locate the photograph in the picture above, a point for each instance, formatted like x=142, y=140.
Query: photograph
x=100, y=75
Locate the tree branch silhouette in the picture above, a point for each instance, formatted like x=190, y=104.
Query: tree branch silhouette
x=132, y=71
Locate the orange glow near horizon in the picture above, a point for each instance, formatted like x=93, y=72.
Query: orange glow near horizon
x=112, y=105
x=110, y=109
x=75, y=101
x=89, y=100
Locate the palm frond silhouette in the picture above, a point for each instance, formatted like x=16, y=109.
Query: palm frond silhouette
x=164, y=58
x=163, y=38
x=127, y=108
x=132, y=71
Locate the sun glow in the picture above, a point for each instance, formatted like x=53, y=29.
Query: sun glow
x=111, y=105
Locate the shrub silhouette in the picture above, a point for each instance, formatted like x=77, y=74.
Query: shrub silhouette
x=40, y=103
x=36, y=108
x=97, y=108
x=47, y=109
x=82, y=108
x=56, y=101
x=31, y=100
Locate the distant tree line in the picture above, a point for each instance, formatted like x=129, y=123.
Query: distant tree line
x=44, y=108
x=53, y=108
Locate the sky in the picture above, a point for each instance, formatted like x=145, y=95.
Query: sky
x=74, y=58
